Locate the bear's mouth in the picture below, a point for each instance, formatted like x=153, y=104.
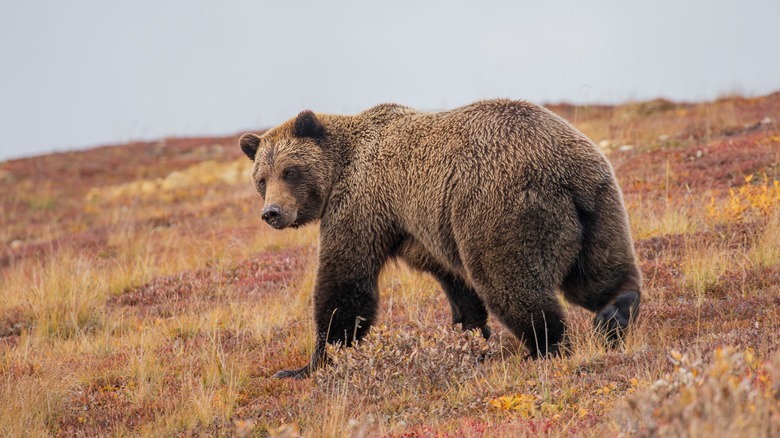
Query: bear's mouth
x=280, y=225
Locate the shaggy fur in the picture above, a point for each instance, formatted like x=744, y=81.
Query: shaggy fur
x=503, y=202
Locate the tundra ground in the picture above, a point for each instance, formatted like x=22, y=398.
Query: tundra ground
x=140, y=294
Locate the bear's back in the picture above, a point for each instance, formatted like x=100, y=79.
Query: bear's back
x=513, y=141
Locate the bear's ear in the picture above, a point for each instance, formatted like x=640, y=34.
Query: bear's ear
x=249, y=143
x=307, y=125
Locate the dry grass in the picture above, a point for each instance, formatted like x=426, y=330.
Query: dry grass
x=140, y=295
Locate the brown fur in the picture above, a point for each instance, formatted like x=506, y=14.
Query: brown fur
x=502, y=201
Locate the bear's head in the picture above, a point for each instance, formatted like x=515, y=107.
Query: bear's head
x=292, y=170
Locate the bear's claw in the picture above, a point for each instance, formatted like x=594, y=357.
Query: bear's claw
x=300, y=373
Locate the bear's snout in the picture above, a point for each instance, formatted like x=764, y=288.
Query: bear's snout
x=272, y=213
x=276, y=217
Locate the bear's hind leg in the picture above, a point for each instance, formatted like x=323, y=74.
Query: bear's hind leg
x=468, y=309
x=534, y=316
x=539, y=324
x=612, y=292
x=516, y=262
x=604, y=277
x=614, y=299
x=613, y=320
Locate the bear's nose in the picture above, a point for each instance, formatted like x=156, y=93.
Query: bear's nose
x=271, y=213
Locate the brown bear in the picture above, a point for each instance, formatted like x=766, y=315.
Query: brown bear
x=503, y=202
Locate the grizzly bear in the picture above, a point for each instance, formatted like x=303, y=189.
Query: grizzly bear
x=503, y=202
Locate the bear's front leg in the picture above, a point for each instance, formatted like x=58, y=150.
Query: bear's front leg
x=345, y=301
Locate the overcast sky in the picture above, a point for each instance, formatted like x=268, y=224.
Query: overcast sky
x=81, y=73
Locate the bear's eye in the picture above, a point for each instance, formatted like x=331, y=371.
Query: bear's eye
x=290, y=174
x=261, y=186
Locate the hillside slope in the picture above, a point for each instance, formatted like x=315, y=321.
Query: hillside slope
x=140, y=293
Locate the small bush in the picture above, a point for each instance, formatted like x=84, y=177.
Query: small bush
x=412, y=363
x=733, y=395
x=752, y=200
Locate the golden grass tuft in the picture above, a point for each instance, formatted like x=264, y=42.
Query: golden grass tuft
x=765, y=251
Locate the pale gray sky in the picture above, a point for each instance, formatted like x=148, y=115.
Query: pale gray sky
x=80, y=73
